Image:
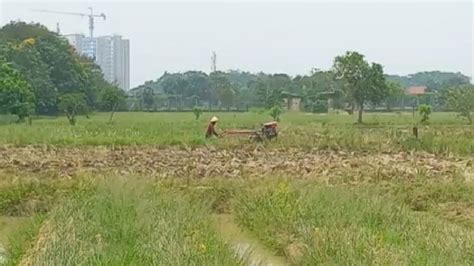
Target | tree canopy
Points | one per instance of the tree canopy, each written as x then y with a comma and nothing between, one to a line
238,88
433,80
461,100
15,93
365,82
50,66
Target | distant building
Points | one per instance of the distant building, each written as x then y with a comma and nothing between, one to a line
292,102
75,40
420,95
111,54
416,90
89,47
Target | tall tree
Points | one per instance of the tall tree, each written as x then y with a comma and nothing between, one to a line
394,92
365,82
72,104
26,59
197,83
148,98
223,89
50,65
111,98
15,93
461,100
434,80
268,95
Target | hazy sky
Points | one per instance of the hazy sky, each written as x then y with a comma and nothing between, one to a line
405,37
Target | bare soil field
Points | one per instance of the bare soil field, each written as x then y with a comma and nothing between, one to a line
326,166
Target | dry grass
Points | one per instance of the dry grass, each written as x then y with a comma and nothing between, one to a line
326,166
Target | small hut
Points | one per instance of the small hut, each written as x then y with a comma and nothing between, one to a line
292,101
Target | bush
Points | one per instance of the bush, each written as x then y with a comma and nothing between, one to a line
275,113
197,111
425,111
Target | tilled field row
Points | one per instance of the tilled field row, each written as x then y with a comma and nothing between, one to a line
209,162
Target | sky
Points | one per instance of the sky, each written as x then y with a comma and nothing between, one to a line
273,37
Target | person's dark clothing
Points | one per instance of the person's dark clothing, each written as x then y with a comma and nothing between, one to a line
211,131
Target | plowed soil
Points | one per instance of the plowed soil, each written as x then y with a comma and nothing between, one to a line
327,166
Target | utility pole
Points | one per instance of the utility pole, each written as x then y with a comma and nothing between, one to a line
213,62
58,31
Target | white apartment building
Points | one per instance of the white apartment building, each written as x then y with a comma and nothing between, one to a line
75,40
111,53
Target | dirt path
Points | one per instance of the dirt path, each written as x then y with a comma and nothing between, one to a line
243,244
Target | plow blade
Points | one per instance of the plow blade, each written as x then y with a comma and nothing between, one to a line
240,132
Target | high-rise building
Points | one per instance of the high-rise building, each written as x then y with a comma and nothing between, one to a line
110,53
89,47
76,41
126,63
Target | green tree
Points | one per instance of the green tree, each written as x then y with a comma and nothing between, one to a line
320,87
268,94
15,93
111,98
282,82
461,100
223,89
365,82
148,98
197,111
93,82
72,104
197,83
434,80
275,112
425,111
394,93
26,59
67,74
50,65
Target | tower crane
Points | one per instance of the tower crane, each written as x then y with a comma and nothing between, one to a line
91,16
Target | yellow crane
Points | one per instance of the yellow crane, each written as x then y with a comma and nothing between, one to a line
91,16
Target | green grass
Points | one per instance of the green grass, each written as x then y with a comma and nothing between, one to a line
129,223
129,220
445,135
21,237
137,221
361,225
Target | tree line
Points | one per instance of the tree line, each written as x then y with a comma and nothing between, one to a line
352,84
42,74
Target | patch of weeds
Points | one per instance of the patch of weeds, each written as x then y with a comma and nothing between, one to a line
424,196
25,199
22,240
131,222
353,225
29,198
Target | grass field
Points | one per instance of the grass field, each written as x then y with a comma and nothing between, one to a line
446,133
149,189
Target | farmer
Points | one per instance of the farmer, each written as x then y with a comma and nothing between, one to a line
211,130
